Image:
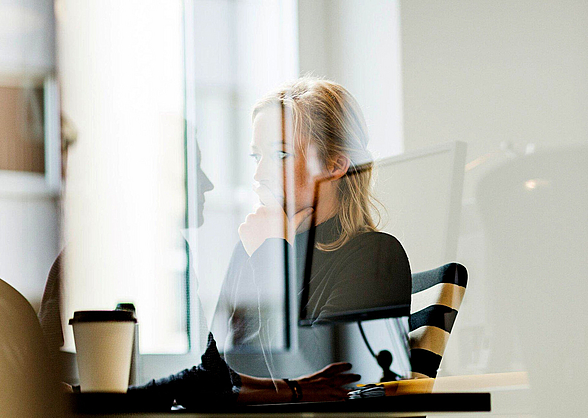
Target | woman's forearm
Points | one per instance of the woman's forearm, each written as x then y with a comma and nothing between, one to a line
325,385
263,390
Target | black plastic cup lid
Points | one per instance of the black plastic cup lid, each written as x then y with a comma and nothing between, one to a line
103,316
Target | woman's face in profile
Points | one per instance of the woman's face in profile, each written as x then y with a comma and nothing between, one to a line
281,166
204,185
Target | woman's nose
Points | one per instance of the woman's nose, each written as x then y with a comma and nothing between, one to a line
263,171
204,183
208,185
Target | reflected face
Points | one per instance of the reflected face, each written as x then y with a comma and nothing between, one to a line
282,166
203,185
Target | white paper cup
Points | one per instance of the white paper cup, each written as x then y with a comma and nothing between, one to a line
104,344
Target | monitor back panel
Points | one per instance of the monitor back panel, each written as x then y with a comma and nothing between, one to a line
420,195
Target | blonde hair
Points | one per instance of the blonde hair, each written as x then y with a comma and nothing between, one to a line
325,114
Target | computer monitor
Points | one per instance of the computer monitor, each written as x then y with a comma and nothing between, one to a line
420,198
421,193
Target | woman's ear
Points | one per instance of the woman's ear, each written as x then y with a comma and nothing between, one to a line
339,167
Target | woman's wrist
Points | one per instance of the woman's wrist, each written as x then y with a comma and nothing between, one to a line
295,389
263,390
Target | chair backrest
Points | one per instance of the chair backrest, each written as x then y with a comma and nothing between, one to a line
436,297
28,383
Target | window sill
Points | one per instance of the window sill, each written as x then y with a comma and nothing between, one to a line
15,184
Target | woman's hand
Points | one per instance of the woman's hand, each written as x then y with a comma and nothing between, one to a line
269,221
327,384
324,385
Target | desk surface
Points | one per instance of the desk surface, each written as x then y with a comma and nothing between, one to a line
112,405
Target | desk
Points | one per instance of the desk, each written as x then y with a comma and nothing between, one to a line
107,405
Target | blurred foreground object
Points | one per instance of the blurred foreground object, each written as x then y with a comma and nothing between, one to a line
28,384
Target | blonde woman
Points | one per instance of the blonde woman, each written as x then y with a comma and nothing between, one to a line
312,168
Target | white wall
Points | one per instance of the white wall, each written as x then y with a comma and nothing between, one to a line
356,43
491,71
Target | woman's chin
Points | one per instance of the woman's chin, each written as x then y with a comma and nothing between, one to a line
199,219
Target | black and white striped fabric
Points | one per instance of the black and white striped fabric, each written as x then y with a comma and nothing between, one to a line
436,297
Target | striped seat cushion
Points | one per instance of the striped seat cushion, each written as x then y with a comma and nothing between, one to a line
436,297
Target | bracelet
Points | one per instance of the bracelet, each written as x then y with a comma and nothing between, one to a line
295,388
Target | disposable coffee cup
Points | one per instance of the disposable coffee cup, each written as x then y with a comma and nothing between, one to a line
104,344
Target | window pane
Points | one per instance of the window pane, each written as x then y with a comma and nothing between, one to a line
22,144
233,67
125,187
